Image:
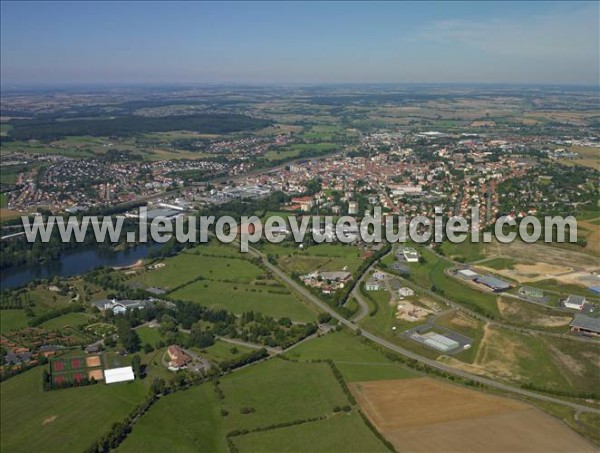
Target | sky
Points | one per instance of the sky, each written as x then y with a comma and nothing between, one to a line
296,42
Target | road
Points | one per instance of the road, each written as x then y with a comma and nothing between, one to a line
406,353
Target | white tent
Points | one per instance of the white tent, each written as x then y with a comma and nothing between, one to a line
118,375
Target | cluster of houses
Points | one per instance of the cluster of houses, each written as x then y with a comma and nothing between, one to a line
327,282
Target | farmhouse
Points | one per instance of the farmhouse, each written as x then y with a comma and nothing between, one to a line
585,325
574,302
495,284
178,359
372,285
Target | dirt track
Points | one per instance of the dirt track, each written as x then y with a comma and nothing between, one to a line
427,415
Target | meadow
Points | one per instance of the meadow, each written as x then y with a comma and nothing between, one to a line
355,360
342,432
186,421
279,391
61,420
12,320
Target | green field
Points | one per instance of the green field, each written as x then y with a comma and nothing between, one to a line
70,319
343,432
150,335
61,420
12,320
226,281
279,391
356,361
221,351
186,267
187,421
239,298
323,257
3,200
499,263
465,251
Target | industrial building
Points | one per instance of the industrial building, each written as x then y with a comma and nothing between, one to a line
495,284
574,302
585,325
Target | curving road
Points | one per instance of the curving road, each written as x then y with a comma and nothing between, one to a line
405,352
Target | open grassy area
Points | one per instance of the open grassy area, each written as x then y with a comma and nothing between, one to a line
222,350
61,420
499,263
355,360
70,319
189,420
465,251
186,267
12,320
150,335
239,298
279,391
343,432
322,257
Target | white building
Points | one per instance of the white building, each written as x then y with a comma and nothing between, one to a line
574,302
406,292
372,285
115,375
353,208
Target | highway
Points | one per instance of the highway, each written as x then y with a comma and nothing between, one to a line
406,353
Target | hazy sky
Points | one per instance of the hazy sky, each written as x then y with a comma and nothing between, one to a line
139,42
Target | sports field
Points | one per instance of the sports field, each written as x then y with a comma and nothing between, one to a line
75,369
60,420
425,415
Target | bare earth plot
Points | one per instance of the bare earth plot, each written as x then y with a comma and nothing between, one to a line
539,262
429,416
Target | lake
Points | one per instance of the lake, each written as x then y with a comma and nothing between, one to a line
74,262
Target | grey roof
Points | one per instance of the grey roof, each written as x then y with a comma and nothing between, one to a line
575,299
492,282
586,322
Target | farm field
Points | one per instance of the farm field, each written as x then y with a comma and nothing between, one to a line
279,391
192,414
427,415
355,360
343,432
322,257
277,302
187,266
34,420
